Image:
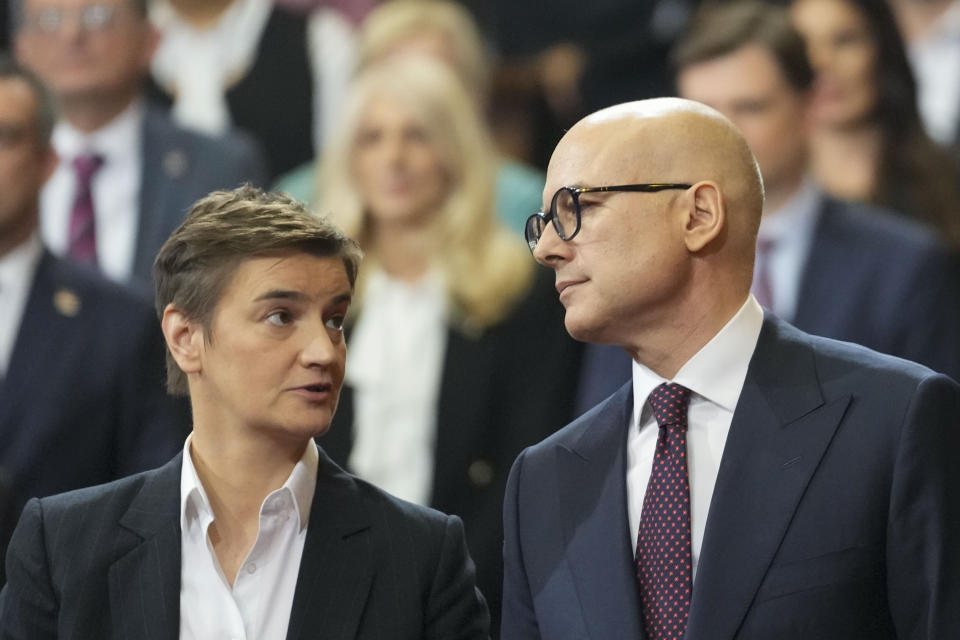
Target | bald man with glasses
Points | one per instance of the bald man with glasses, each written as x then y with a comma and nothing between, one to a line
751,481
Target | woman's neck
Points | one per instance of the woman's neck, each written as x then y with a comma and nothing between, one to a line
404,252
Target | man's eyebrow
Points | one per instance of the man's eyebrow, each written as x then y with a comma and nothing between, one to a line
280,294
343,297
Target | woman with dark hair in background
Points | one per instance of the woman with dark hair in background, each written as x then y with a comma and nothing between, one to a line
869,143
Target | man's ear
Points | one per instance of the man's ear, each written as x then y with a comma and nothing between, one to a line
707,216
184,339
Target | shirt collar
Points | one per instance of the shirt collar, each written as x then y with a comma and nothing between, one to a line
797,216
19,264
113,140
301,485
717,371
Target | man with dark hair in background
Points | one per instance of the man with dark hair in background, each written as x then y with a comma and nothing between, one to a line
81,359
127,174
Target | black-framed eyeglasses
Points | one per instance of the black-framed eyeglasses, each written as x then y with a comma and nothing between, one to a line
564,210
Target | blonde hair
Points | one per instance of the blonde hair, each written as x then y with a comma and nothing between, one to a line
486,267
396,21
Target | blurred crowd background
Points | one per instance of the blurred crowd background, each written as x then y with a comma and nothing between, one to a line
424,128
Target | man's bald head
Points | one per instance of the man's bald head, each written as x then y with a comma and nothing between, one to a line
639,261
670,140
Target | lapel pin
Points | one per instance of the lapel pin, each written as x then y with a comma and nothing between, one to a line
175,163
66,302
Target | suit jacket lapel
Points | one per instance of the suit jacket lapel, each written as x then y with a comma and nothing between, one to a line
145,582
157,185
336,570
828,258
43,330
780,431
594,516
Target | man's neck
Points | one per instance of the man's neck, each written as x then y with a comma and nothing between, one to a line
777,196
671,341
917,17
89,114
201,14
20,231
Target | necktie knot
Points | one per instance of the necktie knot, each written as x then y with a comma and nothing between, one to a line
85,165
670,402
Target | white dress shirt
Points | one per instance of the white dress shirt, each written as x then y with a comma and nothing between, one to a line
394,365
16,278
790,231
936,63
115,190
201,63
257,605
715,375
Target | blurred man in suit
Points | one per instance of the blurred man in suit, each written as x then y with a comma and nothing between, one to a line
833,268
253,532
81,360
753,481
127,174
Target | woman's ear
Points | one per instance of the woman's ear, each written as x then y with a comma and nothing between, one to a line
707,216
184,339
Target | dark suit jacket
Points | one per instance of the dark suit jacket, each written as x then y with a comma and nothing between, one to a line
871,277
83,401
179,168
501,390
835,516
104,563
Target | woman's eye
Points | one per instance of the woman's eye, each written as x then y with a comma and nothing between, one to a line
279,318
335,323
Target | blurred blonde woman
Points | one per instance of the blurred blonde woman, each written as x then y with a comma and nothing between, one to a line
458,357
446,31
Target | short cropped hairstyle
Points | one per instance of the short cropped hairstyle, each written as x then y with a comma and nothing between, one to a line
720,29
198,260
45,117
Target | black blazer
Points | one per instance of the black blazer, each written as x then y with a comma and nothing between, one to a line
501,390
871,277
835,514
104,563
83,401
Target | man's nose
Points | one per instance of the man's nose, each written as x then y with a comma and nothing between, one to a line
550,247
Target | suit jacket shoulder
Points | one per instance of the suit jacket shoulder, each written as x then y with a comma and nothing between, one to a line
83,401
105,562
882,281
179,168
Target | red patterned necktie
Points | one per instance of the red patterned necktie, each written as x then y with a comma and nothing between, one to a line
663,558
82,243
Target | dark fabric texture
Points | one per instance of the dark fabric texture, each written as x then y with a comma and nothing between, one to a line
105,563
834,516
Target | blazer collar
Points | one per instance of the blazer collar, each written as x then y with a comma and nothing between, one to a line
337,567
336,570
780,431
145,582
592,471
